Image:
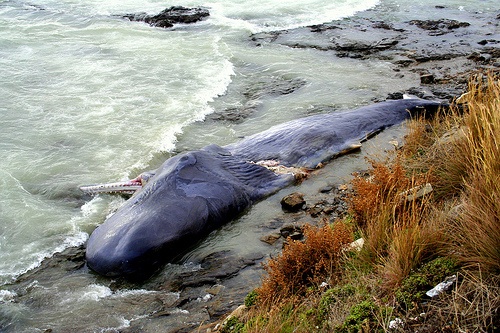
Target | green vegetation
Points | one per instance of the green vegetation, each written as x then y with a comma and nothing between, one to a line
414,286
410,244
361,314
233,325
251,298
331,297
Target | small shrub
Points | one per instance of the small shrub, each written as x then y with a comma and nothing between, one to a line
251,298
361,315
371,193
305,264
233,325
331,297
399,234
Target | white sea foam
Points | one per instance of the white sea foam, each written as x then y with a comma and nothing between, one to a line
132,293
258,15
90,293
7,296
179,311
95,292
124,323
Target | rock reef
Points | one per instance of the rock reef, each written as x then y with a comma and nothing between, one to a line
170,16
444,52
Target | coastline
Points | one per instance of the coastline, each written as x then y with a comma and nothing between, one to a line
412,48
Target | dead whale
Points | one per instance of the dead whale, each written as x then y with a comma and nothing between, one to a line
196,192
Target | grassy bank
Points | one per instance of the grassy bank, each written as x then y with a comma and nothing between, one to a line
429,213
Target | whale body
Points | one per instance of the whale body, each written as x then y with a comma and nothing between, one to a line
196,192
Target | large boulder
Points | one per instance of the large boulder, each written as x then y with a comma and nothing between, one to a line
293,202
170,16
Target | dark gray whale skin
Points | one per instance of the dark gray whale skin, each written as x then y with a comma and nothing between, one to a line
190,195
306,142
196,192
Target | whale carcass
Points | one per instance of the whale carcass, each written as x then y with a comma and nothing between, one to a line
196,192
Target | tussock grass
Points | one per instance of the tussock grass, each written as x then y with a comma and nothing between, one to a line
410,243
399,233
476,231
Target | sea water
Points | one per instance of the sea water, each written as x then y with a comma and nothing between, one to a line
88,97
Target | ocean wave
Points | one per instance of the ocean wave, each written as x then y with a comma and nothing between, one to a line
258,16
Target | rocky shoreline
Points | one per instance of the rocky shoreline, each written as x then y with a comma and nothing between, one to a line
443,52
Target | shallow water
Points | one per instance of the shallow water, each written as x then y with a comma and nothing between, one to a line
86,97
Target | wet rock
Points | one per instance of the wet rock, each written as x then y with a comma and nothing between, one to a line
382,25
274,86
236,114
427,79
330,203
316,210
439,27
352,47
170,16
426,55
271,238
448,51
216,289
293,202
395,95
294,231
253,97
326,189
216,267
69,260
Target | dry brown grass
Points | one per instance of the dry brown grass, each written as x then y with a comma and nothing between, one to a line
399,233
458,152
431,148
472,306
476,230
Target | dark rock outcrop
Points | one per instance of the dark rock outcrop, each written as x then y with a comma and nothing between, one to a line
170,16
253,97
293,202
439,27
215,268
